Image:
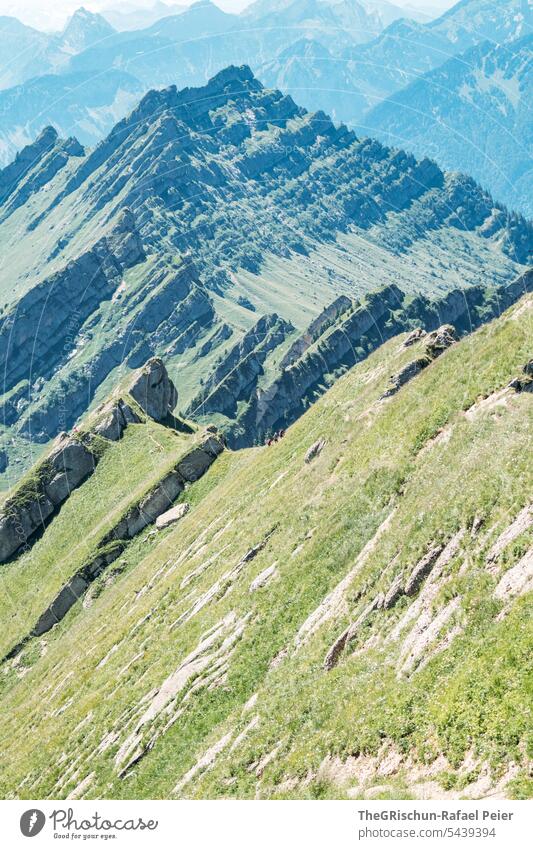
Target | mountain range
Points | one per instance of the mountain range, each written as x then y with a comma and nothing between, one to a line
211,227
473,113
343,57
266,404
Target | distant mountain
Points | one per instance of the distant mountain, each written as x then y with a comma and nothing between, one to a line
221,216
474,114
83,30
81,103
124,17
406,50
20,47
309,48
317,80
27,53
335,22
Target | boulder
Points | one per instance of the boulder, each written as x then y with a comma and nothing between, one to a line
439,340
71,462
154,391
115,417
413,337
173,515
314,450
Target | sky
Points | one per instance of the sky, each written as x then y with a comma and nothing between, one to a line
52,14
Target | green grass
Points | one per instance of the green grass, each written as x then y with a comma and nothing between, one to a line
469,703
127,469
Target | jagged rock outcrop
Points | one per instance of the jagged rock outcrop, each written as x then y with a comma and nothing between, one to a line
435,343
356,332
524,383
317,327
33,167
154,391
165,309
314,450
115,417
235,377
26,511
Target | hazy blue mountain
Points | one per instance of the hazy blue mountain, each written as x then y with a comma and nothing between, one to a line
350,20
474,114
406,50
306,47
123,17
27,53
83,30
316,79
19,47
83,104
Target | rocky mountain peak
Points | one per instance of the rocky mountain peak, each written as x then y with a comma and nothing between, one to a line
83,30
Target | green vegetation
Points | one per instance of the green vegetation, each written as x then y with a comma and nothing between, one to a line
446,708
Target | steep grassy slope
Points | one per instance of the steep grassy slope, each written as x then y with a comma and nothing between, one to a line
218,662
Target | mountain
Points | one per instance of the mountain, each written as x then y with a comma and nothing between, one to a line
471,21
80,103
20,45
202,18
406,49
319,81
312,49
350,21
209,214
83,30
345,613
472,114
124,17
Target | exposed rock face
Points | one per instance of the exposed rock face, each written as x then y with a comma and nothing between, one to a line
350,337
33,167
165,310
435,343
73,591
235,377
27,510
156,502
317,327
171,516
413,337
115,417
406,374
422,570
154,391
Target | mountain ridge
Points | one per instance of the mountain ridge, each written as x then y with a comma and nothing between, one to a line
206,190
